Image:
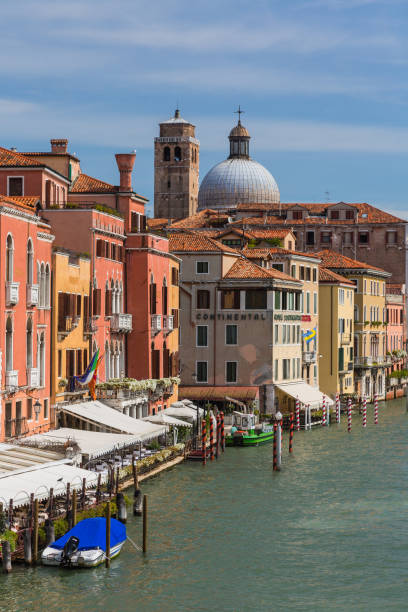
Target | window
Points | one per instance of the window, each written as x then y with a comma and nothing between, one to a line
302,272
47,287
314,303
255,299
341,296
348,238
164,297
166,154
203,298
15,186
201,367
29,344
9,259
293,271
231,372
315,275
41,355
30,262
276,334
277,300
335,214
177,154
174,277
310,238
236,242
46,409
278,266
152,297
286,369
349,214
202,335
29,409
202,267
308,302
276,369
356,314
231,334
391,237
9,345
297,214
59,367
230,299
325,237
308,274
363,237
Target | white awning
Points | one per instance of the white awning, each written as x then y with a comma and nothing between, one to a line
40,480
183,411
92,443
102,416
166,419
305,393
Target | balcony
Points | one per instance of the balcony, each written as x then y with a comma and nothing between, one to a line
12,293
168,323
370,361
11,380
345,338
90,327
309,357
33,377
155,323
32,295
121,323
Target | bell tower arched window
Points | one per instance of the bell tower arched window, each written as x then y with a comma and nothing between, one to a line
177,154
166,154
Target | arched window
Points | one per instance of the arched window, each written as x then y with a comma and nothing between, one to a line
30,262
356,314
47,286
112,288
107,361
121,360
356,354
41,365
9,344
112,361
41,282
9,258
166,154
177,154
117,297
29,343
164,296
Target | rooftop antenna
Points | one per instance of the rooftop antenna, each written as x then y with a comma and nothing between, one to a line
327,194
239,112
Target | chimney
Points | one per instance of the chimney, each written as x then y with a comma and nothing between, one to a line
59,145
125,162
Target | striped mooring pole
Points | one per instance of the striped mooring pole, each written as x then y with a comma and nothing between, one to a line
291,428
364,411
275,461
217,446
204,440
297,410
324,412
375,409
349,414
211,438
337,408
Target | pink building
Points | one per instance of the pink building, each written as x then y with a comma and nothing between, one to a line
396,338
25,324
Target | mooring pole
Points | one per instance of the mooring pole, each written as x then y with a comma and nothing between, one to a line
222,432
35,531
74,507
108,525
297,410
275,446
145,524
204,441
349,415
279,446
28,556
291,433
6,554
211,437
375,409
364,411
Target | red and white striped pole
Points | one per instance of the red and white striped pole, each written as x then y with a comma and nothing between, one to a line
297,410
364,411
324,411
375,409
349,414
337,408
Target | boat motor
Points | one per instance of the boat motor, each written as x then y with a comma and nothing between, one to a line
70,548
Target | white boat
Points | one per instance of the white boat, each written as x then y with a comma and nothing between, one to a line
85,544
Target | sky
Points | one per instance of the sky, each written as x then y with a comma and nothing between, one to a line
323,84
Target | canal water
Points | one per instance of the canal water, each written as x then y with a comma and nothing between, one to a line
329,532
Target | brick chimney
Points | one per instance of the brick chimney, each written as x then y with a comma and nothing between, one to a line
125,162
59,145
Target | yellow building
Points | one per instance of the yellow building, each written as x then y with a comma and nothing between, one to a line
336,307
70,335
370,361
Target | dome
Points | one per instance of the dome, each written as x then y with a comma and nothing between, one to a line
237,180
239,130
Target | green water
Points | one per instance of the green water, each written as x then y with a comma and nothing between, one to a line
329,532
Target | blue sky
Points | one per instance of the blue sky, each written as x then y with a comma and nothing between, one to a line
323,83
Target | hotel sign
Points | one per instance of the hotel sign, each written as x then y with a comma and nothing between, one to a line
262,316
282,317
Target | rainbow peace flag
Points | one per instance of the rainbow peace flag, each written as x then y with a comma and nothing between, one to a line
89,372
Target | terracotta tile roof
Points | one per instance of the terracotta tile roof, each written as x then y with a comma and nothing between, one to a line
257,253
49,154
243,268
89,184
12,158
157,223
328,276
257,221
26,202
256,233
331,259
201,219
195,241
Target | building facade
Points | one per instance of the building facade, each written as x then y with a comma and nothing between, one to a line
396,340
336,327
25,325
176,169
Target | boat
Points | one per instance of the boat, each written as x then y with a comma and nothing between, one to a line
247,432
85,544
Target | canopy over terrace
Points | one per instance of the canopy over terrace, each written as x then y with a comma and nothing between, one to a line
98,416
305,393
166,419
241,396
91,443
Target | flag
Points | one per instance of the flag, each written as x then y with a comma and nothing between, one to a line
87,375
92,382
309,335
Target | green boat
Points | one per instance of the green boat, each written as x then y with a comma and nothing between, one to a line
246,433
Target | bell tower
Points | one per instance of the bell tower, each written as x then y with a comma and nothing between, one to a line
176,169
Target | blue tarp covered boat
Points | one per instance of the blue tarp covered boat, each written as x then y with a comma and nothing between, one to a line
85,544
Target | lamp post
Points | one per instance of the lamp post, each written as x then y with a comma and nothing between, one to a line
37,409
